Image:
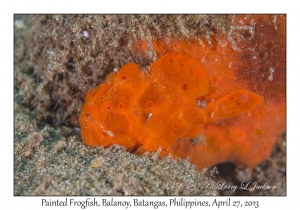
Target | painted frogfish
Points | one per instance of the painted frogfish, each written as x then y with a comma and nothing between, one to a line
160,108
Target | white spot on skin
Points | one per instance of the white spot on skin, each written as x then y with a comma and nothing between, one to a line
146,70
202,104
270,78
149,116
198,139
110,133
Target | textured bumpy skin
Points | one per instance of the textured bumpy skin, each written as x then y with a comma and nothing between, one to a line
145,110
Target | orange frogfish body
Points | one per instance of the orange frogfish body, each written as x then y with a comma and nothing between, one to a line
158,108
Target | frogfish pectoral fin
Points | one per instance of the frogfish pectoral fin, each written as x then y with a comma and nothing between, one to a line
232,105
